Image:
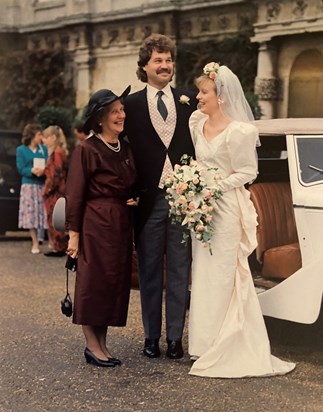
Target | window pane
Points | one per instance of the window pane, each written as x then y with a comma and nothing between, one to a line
310,158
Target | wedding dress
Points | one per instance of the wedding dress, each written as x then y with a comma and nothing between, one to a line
227,333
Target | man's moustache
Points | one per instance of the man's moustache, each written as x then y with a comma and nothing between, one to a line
164,71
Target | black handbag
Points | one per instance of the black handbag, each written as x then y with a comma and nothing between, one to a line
66,303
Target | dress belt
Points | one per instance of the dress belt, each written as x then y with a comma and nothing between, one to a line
107,200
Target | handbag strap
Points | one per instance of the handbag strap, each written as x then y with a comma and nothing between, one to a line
67,293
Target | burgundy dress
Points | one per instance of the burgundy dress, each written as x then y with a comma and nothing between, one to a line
54,187
99,183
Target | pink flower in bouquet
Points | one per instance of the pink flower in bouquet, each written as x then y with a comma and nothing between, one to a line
181,188
192,193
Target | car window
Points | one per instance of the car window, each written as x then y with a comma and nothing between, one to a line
272,159
310,159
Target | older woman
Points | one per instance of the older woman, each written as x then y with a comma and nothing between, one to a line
31,157
55,171
99,196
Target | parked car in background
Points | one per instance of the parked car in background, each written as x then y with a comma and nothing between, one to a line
288,196
10,181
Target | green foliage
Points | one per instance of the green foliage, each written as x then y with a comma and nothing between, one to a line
31,80
60,116
253,102
236,52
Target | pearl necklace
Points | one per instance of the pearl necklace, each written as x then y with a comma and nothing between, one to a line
115,149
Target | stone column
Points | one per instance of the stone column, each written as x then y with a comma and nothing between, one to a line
267,84
82,61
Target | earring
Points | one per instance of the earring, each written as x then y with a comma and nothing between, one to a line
100,124
220,101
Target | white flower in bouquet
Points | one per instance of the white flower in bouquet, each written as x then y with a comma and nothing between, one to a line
192,193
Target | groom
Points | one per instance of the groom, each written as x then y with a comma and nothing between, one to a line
157,128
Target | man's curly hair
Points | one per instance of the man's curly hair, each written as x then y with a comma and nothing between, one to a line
157,42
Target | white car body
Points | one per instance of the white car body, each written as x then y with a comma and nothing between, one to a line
298,298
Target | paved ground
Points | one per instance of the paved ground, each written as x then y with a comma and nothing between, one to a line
42,366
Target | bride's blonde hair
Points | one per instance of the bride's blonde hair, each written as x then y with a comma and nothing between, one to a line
203,79
229,90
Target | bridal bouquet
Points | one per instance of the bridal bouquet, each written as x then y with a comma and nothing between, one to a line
192,193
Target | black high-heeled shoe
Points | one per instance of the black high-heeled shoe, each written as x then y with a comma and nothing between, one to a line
92,359
116,361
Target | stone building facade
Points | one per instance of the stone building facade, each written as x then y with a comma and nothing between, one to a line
103,38
290,57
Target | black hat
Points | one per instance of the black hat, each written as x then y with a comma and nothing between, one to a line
98,101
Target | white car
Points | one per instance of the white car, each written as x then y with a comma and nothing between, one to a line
288,196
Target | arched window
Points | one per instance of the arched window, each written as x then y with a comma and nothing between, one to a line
306,85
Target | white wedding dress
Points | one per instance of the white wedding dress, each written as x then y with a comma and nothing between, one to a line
227,333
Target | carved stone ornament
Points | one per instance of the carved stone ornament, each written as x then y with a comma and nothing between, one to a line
130,34
244,21
35,43
50,42
299,9
267,89
75,40
205,24
64,40
147,31
273,10
186,28
113,34
223,21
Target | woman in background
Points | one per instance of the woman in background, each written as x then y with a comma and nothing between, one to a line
31,157
55,172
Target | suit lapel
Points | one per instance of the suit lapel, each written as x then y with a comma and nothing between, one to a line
141,107
142,97
181,110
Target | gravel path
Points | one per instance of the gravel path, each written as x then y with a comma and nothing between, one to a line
42,366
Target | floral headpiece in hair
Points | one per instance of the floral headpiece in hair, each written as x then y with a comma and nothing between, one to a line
211,70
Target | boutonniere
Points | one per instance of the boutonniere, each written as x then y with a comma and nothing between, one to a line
184,99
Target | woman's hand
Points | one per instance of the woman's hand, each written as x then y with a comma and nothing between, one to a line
73,244
133,202
37,172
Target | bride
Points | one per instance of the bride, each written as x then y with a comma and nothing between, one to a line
227,333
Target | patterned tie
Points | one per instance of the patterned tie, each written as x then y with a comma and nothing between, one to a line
161,105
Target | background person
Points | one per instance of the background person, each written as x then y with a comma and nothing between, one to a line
99,193
78,132
32,213
54,187
157,128
227,333
41,236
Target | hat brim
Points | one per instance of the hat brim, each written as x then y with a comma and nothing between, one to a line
87,123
